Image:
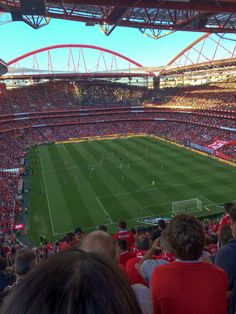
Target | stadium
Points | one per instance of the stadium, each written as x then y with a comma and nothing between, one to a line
112,167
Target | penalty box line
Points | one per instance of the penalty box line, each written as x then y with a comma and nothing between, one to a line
104,210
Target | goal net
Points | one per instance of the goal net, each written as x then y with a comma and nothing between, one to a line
186,206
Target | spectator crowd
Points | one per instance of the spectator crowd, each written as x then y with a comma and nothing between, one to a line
180,266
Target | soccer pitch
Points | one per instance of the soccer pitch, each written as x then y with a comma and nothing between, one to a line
101,182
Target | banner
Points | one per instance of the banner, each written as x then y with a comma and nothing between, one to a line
18,227
219,144
201,148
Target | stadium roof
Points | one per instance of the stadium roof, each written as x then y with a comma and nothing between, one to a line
149,16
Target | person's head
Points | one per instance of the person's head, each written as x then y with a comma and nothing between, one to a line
138,229
78,230
225,234
100,242
71,282
122,225
3,264
102,228
155,235
70,238
186,237
142,243
132,230
162,224
228,206
79,234
122,245
213,239
25,261
233,220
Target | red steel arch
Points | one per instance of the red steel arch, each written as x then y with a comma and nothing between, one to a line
188,48
206,50
73,46
74,60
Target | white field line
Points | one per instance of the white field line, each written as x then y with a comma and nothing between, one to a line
146,188
138,219
103,208
46,191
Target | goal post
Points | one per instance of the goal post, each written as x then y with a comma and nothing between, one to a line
187,206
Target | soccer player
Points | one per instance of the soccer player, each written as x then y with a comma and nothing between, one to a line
153,183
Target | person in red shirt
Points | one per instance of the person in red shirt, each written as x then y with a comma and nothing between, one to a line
79,234
188,285
226,218
124,255
142,245
124,234
69,241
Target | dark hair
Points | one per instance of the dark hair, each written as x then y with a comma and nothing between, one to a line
3,264
102,228
228,206
233,212
132,230
122,245
155,234
186,236
162,224
122,224
142,242
78,230
70,236
24,261
213,239
71,282
225,234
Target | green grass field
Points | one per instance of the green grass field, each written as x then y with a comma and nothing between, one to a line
65,193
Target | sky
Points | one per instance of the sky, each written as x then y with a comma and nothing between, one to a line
18,38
